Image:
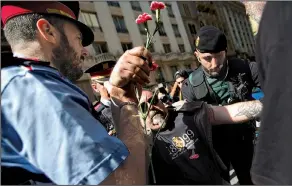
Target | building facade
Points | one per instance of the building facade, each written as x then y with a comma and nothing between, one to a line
240,31
200,13
115,31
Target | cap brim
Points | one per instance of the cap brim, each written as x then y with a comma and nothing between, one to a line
87,34
102,80
96,67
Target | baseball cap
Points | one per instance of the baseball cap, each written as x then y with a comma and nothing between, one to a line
68,10
210,39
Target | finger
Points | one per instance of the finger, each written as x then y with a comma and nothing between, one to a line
141,51
137,61
108,86
137,71
100,88
134,77
138,80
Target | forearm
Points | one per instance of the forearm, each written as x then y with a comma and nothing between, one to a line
133,170
173,89
236,113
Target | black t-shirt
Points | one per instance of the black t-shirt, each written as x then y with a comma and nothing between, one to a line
181,155
273,157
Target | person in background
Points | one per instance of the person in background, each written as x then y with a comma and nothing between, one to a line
100,70
272,164
48,130
179,77
222,81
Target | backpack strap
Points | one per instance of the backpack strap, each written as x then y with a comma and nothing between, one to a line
201,86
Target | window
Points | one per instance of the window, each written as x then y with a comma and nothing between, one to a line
136,5
186,10
90,19
161,30
113,3
173,69
192,29
159,77
175,30
181,48
167,48
142,29
100,48
120,24
127,46
169,10
151,48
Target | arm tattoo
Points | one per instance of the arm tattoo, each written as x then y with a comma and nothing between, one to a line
251,109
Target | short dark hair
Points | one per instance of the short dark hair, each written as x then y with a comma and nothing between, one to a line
23,28
181,73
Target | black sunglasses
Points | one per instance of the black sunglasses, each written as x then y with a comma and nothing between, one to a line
145,105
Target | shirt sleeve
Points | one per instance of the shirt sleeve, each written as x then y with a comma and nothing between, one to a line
59,135
272,161
187,92
255,73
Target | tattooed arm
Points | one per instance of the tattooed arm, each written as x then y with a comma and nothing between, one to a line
235,113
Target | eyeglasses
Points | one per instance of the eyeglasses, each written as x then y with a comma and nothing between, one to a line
145,105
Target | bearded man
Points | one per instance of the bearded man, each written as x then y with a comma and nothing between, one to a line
222,81
48,131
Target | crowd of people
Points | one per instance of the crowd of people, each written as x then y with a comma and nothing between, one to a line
194,129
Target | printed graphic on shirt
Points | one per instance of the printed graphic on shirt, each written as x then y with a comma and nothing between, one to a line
183,143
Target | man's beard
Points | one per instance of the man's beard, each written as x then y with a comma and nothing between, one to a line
220,74
67,60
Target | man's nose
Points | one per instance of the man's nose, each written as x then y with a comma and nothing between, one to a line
214,63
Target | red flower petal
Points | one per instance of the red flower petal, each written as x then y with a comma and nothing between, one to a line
154,5
161,5
142,18
154,66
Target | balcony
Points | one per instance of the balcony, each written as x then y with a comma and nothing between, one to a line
172,56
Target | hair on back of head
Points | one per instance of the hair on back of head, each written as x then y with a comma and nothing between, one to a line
24,29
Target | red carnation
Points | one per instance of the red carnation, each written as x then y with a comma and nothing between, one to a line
142,18
157,5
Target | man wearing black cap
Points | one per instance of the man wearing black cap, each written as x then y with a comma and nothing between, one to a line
222,81
48,131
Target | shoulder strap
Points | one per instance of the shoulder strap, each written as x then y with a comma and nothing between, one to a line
196,78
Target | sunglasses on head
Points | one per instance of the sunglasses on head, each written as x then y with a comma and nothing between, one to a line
145,105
